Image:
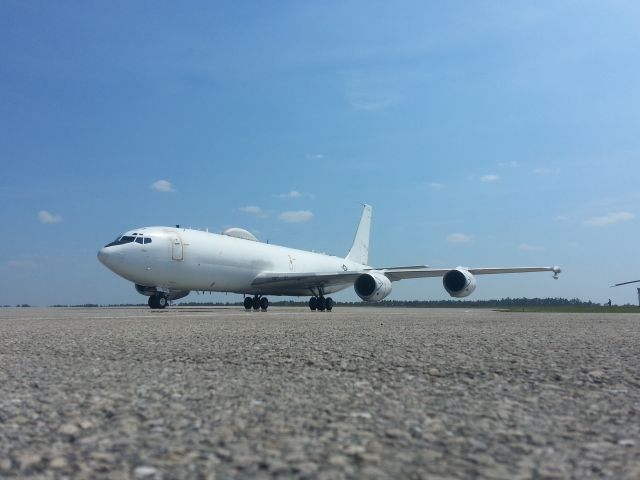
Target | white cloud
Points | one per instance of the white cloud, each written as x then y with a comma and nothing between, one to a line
315,156
511,164
489,178
163,186
458,238
546,171
525,247
436,185
253,210
291,194
294,194
296,216
46,217
610,219
371,103
20,264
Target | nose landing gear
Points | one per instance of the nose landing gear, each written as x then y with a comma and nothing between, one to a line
158,301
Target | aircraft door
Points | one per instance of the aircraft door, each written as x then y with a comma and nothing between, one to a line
177,249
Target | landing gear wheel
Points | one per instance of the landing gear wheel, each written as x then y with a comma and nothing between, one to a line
322,304
264,304
162,301
157,301
248,303
329,304
256,303
313,303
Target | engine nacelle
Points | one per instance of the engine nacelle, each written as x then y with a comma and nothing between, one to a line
459,282
172,295
372,286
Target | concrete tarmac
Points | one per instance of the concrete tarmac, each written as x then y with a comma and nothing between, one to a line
356,393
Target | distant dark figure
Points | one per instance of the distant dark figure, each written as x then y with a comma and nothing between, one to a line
608,304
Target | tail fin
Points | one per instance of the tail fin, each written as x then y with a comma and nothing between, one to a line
360,249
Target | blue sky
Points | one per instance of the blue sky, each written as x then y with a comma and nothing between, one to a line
483,133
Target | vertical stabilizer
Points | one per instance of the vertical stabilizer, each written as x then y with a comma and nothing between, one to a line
360,249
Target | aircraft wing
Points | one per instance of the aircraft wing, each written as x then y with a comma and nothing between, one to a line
400,273
314,280
625,283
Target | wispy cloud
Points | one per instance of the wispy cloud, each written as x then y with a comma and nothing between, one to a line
314,156
610,219
293,194
457,238
163,186
253,210
436,185
369,93
511,164
489,178
370,103
21,264
561,218
296,216
47,217
525,247
546,171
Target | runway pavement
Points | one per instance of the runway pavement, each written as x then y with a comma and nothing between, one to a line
356,393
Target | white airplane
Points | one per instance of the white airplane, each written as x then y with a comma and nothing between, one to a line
167,263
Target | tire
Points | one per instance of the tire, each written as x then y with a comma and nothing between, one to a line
329,304
264,304
256,303
313,303
162,301
248,303
322,304
152,302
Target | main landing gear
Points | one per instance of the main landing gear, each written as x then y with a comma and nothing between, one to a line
321,303
256,302
158,301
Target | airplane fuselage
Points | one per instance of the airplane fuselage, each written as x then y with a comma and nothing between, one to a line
185,259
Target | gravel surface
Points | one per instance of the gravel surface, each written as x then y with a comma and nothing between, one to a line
356,393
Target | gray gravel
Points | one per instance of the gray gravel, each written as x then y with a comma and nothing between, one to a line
359,392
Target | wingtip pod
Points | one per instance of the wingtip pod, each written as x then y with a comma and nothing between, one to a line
556,271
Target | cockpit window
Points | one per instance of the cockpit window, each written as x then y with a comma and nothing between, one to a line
121,241
139,240
147,240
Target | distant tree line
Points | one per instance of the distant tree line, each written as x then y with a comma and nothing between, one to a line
501,303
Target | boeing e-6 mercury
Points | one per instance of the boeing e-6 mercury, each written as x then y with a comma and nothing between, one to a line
167,263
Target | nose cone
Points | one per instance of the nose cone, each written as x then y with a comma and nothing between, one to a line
103,256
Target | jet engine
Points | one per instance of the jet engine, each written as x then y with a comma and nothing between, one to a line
151,291
459,282
372,286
